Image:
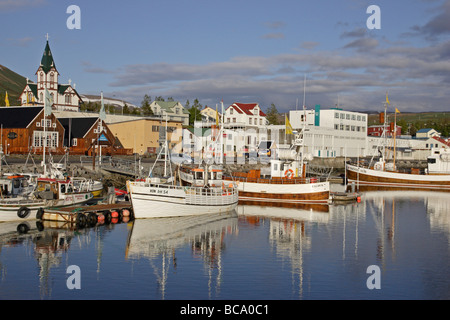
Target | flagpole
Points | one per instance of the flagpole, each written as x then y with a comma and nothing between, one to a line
395,134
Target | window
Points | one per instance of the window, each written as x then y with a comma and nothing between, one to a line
336,115
336,127
231,110
41,97
342,116
52,139
52,77
234,119
48,122
155,128
353,117
74,142
249,120
347,116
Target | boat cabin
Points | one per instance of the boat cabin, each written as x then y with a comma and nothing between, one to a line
439,161
14,185
199,177
50,189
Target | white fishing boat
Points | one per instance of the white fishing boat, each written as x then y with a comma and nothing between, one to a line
151,198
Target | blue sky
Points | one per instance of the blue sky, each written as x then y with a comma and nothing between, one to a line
240,51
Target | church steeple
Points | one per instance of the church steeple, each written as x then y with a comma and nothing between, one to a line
47,59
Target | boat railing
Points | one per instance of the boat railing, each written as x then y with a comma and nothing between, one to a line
211,196
277,180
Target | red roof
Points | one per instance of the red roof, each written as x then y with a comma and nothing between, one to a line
247,108
441,140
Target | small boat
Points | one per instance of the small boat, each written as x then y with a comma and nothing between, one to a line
286,183
49,192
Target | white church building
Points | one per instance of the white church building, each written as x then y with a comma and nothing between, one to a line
65,97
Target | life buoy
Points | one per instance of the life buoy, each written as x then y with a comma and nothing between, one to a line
23,212
289,174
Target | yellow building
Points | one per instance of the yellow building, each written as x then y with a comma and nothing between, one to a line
145,135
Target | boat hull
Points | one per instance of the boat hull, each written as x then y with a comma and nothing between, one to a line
9,208
153,201
301,193
394,180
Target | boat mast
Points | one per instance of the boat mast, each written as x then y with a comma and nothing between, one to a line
303,130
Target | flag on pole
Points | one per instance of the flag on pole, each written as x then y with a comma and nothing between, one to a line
48,101
6,99
387,99
396,110
102,114
288,126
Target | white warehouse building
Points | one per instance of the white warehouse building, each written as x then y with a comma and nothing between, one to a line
332,132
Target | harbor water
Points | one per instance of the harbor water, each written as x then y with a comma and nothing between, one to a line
390,245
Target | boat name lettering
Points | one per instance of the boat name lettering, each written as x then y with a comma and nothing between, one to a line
159,191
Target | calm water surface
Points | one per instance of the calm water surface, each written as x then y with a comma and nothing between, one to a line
253,253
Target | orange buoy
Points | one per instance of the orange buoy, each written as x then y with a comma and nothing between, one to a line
114,220
126,212
100,217
358,199
114,214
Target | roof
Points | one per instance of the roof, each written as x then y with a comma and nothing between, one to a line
18,117
169,105
77,127
246,108
425,130
47,59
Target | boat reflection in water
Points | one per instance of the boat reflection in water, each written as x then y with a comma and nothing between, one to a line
158,238
307,238
253,252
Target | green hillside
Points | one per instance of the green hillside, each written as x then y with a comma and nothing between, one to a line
12,83
412,122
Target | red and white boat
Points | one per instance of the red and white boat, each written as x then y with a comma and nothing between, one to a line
287,182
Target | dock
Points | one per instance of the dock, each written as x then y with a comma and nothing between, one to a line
85,216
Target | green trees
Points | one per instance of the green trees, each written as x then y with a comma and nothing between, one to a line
272,114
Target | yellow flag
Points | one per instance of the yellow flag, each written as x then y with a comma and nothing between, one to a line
6,99
396,110
217,117
288,126
387,100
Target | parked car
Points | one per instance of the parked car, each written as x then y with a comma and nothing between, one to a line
181,158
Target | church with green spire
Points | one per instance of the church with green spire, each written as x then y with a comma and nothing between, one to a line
64,96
